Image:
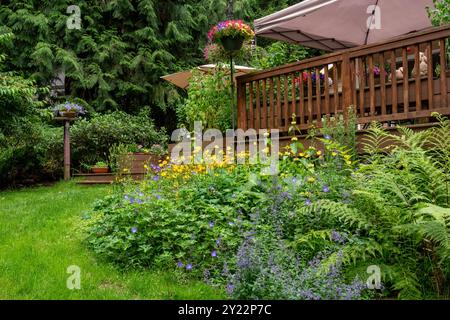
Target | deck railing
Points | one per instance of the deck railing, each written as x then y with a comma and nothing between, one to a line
367,78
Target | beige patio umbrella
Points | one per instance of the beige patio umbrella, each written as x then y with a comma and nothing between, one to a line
339,24
181,79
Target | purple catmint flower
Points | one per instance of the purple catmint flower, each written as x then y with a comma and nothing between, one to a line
285,195
214,253
155,178
226,270
218,241
158,197
230,288
326,189
132,200
211,224
206,276
327,136
139,201
189,266
308,202
126,197
336,236
134,229
180,264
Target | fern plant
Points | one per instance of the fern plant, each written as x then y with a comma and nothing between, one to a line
398,217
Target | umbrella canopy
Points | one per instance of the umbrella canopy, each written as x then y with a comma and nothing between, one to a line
181,79
339,24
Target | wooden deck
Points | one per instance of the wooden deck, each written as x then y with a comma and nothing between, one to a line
363,78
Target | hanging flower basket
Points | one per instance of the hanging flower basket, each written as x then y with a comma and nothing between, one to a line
232,44
230,34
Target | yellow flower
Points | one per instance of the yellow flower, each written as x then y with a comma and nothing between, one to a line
311,179
197,149
145,166
125,170
301,154
294,139
319,153
334,154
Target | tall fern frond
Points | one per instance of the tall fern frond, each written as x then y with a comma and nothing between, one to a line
376,140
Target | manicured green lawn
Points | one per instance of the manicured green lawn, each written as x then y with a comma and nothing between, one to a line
40,238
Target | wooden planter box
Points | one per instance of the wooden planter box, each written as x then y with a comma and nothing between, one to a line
100,169
135,162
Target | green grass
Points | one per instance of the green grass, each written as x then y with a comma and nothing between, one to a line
40,238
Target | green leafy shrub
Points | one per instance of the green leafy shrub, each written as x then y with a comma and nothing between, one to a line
31,153
93,139
208,101
162,223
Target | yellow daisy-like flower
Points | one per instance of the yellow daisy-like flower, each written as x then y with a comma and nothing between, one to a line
145,166
311,179
301,154
294,139
334,154
319,153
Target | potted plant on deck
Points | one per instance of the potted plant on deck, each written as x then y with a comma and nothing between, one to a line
100,167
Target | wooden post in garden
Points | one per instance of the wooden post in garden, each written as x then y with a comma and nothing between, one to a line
67,162
66,150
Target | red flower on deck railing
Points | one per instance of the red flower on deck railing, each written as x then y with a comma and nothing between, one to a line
304,79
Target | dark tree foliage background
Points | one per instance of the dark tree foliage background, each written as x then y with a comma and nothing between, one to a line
123,48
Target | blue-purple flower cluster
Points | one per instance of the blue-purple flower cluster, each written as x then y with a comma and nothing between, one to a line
69,107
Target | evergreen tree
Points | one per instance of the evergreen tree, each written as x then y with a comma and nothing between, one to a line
116,59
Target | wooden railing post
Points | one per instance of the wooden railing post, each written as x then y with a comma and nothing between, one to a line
347,93
241,106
